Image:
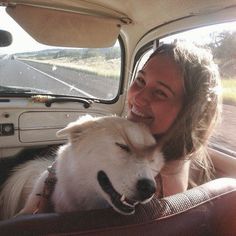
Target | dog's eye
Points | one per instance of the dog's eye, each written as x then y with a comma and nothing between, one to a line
124,147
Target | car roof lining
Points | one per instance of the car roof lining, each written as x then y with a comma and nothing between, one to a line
97,23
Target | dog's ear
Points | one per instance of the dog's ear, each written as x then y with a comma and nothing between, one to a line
74,129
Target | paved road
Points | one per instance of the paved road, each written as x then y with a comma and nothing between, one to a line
56,79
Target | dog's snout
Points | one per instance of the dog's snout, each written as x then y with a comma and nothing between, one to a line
146,188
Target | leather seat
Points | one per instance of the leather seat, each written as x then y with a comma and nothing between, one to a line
209,209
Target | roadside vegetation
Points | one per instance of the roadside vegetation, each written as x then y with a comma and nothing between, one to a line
105,62
223,46
229,91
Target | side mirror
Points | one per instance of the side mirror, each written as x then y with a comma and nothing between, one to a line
5,38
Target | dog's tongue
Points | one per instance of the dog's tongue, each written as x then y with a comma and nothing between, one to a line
119,202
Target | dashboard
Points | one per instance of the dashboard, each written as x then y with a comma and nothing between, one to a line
26,124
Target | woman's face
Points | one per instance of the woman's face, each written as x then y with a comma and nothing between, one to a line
156,95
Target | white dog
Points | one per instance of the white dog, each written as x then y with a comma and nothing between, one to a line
107,161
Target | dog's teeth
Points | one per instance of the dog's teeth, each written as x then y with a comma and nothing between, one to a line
122,199
127,204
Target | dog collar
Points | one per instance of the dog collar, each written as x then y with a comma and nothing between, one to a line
44,204
50,181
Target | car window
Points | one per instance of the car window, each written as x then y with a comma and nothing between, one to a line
30,67
221,39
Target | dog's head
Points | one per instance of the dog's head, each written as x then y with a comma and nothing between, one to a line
114,158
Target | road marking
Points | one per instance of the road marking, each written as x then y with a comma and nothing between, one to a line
58,80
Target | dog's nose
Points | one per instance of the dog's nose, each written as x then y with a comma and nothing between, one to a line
146,188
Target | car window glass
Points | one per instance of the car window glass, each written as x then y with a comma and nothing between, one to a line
30,67
221,39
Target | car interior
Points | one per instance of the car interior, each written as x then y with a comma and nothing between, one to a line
79,57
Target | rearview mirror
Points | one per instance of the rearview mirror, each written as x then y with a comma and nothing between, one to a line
5,38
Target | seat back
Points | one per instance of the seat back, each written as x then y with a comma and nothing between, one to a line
209,209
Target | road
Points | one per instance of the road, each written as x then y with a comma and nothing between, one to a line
57,80
225,134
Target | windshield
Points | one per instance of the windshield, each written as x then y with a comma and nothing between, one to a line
28,67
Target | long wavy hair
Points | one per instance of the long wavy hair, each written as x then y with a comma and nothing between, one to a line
189,134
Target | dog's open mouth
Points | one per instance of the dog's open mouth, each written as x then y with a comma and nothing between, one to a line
119,201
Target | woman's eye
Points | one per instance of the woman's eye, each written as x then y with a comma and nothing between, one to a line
140,81
160,94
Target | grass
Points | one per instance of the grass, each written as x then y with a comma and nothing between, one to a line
95,65
229,90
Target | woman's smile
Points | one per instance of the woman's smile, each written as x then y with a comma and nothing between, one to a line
139,113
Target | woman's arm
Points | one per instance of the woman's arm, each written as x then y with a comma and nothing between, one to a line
175,177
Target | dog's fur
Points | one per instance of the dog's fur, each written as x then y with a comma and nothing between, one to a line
125,151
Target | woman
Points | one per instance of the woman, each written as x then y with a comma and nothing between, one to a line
175,95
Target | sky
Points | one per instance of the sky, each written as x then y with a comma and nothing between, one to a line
23,42
201,35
